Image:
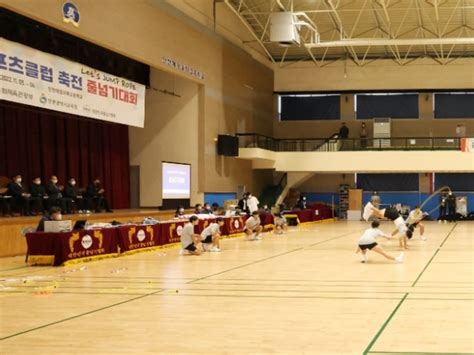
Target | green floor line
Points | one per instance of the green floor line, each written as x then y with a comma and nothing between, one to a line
77,316
415,353
371,344
384,325
437,251
269,258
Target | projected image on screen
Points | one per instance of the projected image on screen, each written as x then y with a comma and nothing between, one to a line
176,181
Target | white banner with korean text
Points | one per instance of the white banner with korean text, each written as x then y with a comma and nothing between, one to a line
35,78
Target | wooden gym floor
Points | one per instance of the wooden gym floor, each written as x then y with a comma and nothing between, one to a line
305,292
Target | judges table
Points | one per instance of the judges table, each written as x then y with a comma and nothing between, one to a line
315,212
82,245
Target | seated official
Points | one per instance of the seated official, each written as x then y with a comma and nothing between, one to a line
56,197
198,209
215,208
301,203
53,215
39,198
96,193
207,209
20,198
72,192
179,212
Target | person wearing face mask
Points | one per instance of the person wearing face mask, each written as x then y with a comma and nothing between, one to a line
96,193
207,208
39,198
179,212
301,203
20,198
243,206
198,209
72,192
56,197
54,215
252,203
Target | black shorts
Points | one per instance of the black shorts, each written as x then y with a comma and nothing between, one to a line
415,225
391,214
208,239
367,246
191,247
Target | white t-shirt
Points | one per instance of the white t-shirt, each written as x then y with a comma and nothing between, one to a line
187,234
415,216
369,236
401,225
211,229
252,223
252,204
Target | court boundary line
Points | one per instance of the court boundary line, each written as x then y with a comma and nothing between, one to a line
268,258
384,325
416,353
156,292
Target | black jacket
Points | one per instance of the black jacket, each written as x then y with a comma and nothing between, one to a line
15,190
93,191
71,191
37,191
53,191
40,227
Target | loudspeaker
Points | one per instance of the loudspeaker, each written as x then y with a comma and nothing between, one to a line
227,145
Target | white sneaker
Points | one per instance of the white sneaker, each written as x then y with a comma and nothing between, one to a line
367,211
183,252
423,238
80,211
399,259
258,238
445,221
215,250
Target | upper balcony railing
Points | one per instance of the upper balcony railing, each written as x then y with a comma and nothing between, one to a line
334,143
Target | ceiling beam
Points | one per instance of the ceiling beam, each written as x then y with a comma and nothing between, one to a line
360,42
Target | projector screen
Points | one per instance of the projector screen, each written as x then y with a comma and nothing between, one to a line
176,181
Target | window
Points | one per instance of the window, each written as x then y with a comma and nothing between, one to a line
388,182
309,107
455,181
393,105
454,105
